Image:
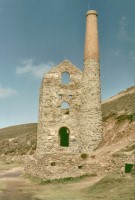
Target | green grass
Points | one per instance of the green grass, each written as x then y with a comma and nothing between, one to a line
61,180
121,118
113,187
130,117
131,147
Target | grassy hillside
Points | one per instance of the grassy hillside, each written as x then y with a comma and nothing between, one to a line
122,104
118,123
14,131
113,187
18,140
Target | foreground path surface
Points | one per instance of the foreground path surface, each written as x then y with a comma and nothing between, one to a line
13,186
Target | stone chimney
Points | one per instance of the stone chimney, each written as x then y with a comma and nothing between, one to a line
91,49
91,118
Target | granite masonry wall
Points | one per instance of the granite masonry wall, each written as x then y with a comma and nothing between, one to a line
81,119
91,116
52,116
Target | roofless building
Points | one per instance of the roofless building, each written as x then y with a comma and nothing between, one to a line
70,122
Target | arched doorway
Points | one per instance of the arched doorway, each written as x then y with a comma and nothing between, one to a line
64,136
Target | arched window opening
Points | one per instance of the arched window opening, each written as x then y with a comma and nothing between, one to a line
65,107
65,78
64,137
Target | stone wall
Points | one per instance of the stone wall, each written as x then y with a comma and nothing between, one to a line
60,165
52,116
121,159
82,120
53,161
91,117
55,166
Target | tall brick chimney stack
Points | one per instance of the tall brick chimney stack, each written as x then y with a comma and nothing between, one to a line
91,49
91,118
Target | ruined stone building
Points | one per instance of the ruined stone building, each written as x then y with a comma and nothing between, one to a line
70,122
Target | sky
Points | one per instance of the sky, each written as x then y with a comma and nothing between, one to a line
38,34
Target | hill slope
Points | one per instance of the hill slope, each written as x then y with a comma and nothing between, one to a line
118,127
18,140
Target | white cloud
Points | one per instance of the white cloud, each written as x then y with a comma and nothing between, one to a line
123,30
37,71
6,92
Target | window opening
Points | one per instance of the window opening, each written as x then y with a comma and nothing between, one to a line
70,96
60,96
64,136
53,163
80,166
65,107
65,78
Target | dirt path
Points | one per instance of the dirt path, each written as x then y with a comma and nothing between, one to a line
14,173
13,186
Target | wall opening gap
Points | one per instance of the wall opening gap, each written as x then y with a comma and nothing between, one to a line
60,96
64,136
53,163
65,78
65,107
70,96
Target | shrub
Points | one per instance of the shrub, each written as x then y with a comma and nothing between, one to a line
130,117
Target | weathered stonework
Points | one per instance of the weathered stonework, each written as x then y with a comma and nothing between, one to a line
91,117
52,117
66,137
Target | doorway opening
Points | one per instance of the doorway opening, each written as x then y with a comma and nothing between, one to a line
64,136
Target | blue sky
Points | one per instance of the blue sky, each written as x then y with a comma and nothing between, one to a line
36,34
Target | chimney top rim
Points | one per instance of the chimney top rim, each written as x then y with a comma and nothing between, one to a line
91,12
